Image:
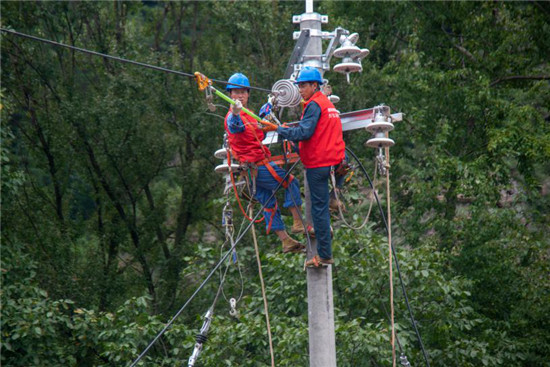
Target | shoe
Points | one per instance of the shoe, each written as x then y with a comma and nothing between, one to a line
317,261
299,228
293,246
335,203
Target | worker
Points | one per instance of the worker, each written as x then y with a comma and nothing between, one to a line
321,149
245,143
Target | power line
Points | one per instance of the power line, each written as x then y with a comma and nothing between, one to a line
116,58
211,272
413,321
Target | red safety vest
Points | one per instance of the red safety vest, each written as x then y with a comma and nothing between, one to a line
247,145
326,146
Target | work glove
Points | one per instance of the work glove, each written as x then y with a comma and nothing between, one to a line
236,108
265,110
268,126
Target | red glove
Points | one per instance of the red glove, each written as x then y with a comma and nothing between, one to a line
268,126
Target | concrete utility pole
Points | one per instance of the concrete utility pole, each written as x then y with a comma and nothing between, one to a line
308,51
322,343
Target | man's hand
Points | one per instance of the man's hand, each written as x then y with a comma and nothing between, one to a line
237,107
268,126
265,110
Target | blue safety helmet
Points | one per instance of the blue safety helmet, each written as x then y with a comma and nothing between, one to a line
238,78
309,74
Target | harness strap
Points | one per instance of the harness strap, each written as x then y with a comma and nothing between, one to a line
272,211
271,170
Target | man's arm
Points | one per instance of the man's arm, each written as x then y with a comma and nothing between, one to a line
235,124
306,127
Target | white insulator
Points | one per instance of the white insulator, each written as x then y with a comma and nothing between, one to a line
347,51
380,118
348,67
362,54
334,98
382,126
380,142
287,93
221,153
224,168
353,37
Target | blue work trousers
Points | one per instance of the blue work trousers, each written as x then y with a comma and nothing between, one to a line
317,180
265,186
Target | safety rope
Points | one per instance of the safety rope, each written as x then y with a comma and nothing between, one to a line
237,193
404,291
390,260
223,82
206,279
149,66
263,292
229,237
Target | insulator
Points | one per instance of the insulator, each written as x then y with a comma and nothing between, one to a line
380,142
200,338
221,153
379,126
224,168
347,51
380,118
348,66
287,93
353,37
364,53
334,98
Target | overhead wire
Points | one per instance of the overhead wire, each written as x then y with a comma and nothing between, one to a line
207,278
190,75
404,291
266,308
100,54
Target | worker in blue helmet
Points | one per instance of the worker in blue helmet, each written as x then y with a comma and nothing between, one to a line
245,138
238,81
322,150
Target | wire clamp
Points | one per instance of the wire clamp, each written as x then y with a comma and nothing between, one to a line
202,81
404,361
227,216
210,100
233,304
382,165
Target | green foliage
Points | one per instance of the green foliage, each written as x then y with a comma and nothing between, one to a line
110,205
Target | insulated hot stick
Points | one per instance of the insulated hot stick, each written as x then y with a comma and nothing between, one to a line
205,83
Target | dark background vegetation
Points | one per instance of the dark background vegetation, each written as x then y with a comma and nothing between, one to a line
111,209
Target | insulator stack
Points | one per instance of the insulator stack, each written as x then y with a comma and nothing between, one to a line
350,54
379,128
224,169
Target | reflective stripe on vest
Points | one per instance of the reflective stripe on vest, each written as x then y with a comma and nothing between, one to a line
326,146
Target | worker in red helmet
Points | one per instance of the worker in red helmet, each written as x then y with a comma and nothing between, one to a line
245,142
322,149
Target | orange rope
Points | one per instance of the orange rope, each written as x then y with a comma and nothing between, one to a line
236,193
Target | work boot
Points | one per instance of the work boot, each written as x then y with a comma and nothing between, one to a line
298,227
293,246
335,203
317,261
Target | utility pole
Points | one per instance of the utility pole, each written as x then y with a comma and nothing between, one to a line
308,51
322,343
